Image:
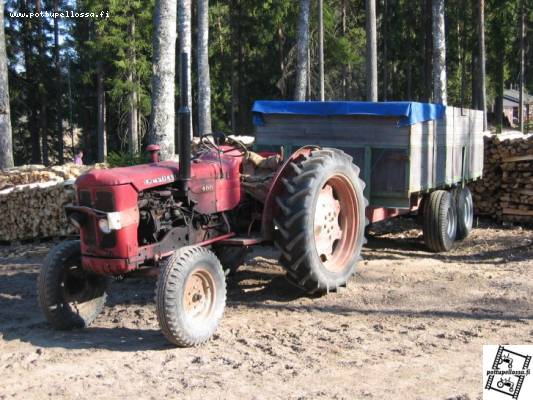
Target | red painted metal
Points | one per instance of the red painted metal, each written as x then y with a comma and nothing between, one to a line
214,187
153,149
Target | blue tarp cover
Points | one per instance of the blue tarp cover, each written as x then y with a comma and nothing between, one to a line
408,112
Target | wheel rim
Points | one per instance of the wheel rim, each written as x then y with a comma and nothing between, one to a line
199,295
468,211
451,223
336,223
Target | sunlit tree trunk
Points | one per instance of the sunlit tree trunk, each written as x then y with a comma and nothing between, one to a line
482,61
204,82
6,137
522,67
302,51
133,134
164,68
185,42
100,95
371,52
439,53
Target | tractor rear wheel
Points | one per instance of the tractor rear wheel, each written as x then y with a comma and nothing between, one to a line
69,297
190,296
440,221
321,220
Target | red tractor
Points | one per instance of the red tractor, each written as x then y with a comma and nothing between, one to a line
188,221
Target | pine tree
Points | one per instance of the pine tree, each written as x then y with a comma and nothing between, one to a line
164,67
6,141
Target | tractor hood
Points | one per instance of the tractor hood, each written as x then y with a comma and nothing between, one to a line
142,177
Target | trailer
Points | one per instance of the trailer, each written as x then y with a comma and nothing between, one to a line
412,156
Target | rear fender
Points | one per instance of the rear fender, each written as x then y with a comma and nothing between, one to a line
270,208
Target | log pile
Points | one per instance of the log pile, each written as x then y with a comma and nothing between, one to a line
506,190
32,199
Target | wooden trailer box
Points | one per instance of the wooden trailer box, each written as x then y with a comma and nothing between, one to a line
402,148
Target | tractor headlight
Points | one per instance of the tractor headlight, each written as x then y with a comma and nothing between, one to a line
103,224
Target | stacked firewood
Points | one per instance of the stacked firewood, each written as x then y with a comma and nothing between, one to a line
32,199
486,192
506,190
517,180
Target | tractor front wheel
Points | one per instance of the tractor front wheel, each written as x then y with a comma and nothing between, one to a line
321,220
69,297
190,296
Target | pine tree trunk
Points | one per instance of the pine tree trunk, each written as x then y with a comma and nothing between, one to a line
439,53
522,12
321,47
164,67
428,51
302,51
385,50
133,135
185,42
43,128
59,118
371,52
344,66
204,82
482,61
500,88
6,136
100,127
30,88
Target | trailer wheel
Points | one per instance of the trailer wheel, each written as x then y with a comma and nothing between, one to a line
440,221
321,220
231,257
69,297
465,212
190,296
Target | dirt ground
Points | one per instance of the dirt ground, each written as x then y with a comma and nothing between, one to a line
410,325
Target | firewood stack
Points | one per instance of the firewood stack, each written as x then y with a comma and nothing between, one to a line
517,180
506,190
32,199
486,192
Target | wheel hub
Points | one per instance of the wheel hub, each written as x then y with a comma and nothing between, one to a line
198,297
327,227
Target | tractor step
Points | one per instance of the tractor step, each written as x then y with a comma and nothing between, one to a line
242,241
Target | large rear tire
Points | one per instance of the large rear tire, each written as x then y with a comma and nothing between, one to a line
440,221
465,212
69,297
321,220
190,296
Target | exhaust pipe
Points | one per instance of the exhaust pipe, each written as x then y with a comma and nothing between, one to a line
184,127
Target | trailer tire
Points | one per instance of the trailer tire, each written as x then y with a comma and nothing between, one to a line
321,220
440,221
465,212
69,297
190,296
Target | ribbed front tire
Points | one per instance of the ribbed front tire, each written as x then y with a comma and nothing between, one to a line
68,296
190,296
439,221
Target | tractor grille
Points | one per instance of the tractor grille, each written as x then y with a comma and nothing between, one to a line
103,201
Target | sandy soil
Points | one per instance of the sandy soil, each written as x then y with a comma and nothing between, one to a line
410,325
